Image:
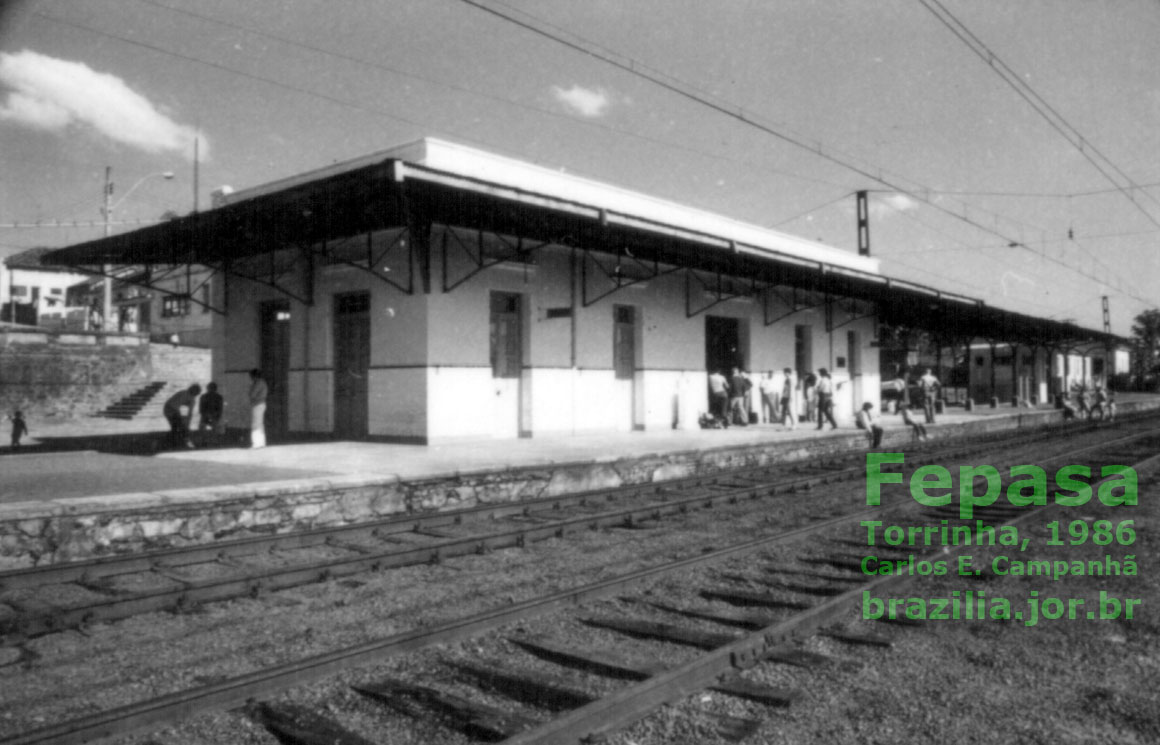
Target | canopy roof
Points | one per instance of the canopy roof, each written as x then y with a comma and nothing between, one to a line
435,182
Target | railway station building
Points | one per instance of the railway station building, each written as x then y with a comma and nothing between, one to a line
434,292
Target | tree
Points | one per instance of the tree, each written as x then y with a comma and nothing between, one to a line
1146,330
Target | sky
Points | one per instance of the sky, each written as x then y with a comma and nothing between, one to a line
1011,150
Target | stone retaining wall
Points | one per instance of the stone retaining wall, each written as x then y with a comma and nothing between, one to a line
37,533
68,374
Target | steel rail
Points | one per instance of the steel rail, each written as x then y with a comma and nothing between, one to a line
603,716
193,592
109,566
235,691
93,569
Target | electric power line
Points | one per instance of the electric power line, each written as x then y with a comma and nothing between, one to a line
1090,152
675,85
633,68
450,86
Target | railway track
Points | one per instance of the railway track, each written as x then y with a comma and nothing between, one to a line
778,618
63,596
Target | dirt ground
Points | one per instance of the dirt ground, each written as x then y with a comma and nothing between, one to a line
1067,680
965,681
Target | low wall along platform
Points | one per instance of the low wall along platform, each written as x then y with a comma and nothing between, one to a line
60,530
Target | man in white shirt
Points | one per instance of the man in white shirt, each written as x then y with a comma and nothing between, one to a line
770,397
825,399
929,385
719,397
869,422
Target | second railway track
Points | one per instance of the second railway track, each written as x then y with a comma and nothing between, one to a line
676,678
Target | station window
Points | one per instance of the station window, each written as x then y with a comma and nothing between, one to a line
19,290
173,306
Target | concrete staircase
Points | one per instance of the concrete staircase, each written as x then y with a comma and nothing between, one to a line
131,405
174,369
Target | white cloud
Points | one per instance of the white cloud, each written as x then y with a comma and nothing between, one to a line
883,207
1019,279
585,102
48,93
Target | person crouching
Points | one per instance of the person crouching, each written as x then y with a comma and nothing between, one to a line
178,411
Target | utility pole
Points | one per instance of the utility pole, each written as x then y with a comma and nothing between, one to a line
863,223
107,269
107,285
196,142
1109,350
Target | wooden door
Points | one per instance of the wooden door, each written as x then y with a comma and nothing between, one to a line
352,341
275,364
506,362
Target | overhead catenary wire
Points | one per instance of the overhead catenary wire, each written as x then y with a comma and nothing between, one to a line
1132,293
386,68
377,111
1058,122
675,85
378,65
815,208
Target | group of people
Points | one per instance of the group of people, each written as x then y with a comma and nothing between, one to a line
928,387
737,401
867,420
777,398
1088,404
179,408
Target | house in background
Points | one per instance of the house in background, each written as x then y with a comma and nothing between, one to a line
36,294
167,305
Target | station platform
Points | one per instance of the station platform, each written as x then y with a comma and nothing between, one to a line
95,487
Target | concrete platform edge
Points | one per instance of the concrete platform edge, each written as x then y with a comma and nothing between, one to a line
37,533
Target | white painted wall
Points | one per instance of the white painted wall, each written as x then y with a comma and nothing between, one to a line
431,376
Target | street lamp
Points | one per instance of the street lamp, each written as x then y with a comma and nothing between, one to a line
107,305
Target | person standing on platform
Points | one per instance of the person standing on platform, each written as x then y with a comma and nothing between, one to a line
719,397
789,402
19,428
929,386
810,394
825,399
867,421
899,385
770,395
258,393
178,411
210,407
738,391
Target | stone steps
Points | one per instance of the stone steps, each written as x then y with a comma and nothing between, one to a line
131,405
